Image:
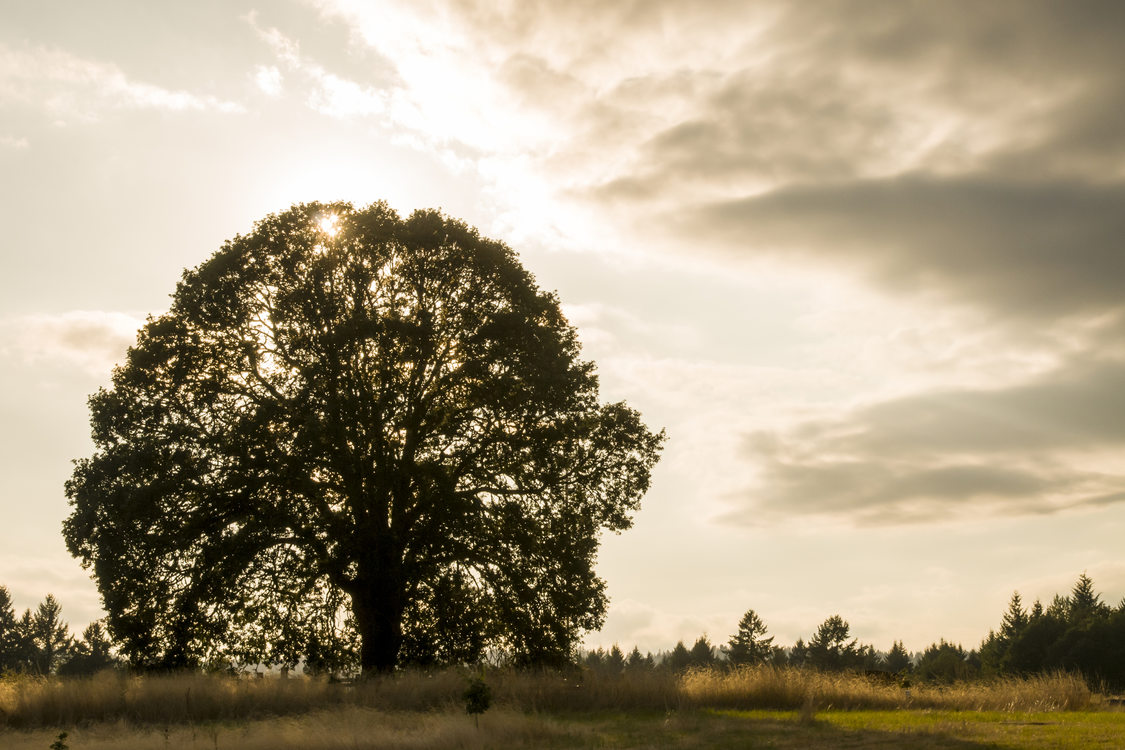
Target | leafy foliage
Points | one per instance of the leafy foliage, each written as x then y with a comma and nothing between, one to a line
91,654
374,444
478,697
946,662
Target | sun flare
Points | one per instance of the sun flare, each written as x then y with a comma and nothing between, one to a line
329,224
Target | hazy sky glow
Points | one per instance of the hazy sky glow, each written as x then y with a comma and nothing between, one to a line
864,261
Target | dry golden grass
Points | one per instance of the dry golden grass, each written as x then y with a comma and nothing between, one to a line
196,699
783,688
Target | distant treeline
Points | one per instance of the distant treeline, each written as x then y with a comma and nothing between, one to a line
1077,633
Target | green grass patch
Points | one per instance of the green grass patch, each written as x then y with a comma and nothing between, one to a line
953,729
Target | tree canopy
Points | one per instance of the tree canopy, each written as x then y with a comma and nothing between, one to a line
354,428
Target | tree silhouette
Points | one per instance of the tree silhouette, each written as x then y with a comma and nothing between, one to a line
946,662
636,663
1084,603
749,645
799,654
49,637
702,653
829,648
91,654
10,636
679,659
348,420
1015,619
898,661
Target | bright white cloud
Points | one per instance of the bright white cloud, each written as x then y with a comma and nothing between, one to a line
324,91
268,79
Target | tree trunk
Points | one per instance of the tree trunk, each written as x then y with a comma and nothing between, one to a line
378,604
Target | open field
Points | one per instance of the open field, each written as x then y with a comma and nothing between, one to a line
751,708
355,728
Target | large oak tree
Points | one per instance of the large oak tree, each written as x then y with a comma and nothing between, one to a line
350,422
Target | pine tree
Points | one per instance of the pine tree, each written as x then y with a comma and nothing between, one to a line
1059,608
1015,619
9,634
799,654
897,660
1084,603
749,645
50,637
638,664
679,659
702,652
614,661
25,643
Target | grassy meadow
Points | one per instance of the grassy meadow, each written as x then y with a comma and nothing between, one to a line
752,707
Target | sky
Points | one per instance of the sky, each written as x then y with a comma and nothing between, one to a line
863,261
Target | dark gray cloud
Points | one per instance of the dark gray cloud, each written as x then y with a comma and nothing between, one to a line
1030,249
1008,450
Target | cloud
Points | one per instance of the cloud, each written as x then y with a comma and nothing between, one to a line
1037,250
325,92
11,141
92,341
1041,447
268,79
69,86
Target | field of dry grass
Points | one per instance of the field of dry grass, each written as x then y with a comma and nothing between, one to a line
425,710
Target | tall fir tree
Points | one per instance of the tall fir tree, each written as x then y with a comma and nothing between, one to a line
679,659
50,637
10,637
1084,603
1015,619
702,652
897,660
750,644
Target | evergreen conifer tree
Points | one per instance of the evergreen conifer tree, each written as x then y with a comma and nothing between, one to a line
702,652
749,645
897,661
638,664
679,659
1015,619
50,637
615,661
799,654
1084,603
